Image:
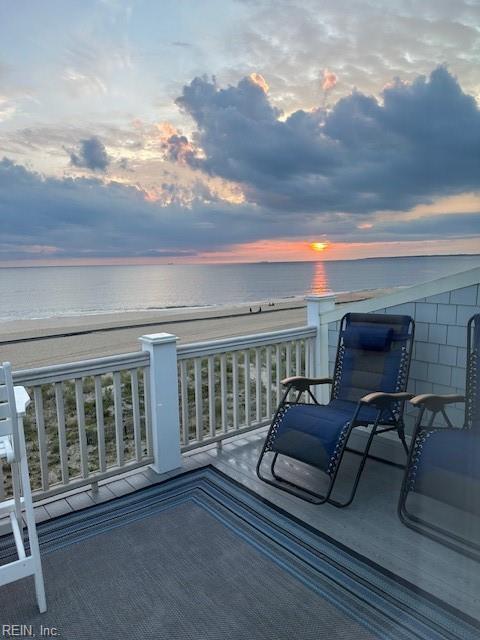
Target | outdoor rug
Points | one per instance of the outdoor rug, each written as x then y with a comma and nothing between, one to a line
200,557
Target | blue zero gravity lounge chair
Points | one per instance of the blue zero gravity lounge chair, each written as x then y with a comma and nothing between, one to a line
368,388
444,462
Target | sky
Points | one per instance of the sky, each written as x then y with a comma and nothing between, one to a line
238,130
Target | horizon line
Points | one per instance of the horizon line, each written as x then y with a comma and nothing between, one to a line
131,262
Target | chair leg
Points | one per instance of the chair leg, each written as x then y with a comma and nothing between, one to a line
290,487
17,493
32,529
438,534
401,435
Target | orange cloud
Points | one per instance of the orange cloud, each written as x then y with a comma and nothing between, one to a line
329,80
259,80
166,130
261,250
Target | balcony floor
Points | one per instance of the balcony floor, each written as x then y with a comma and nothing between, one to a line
370,526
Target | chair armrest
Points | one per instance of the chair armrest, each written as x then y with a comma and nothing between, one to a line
300,383
383,399
22,400
436,403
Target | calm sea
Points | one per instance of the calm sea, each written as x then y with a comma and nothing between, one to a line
42,292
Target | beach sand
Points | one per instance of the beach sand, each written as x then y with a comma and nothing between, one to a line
35,343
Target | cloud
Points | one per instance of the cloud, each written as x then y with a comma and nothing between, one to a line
258,79
7,109
82,217
419,142
88,217
329,80
348,173
90,155
368,42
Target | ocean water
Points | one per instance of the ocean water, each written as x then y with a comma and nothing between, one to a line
42,292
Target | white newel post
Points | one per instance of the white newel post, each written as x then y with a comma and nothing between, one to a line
162,348
317,306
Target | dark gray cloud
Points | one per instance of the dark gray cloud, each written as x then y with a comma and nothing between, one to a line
91,154
85,217
421,141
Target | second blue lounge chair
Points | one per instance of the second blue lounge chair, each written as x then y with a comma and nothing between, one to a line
444,463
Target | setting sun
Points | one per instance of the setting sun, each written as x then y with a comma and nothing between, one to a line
318,246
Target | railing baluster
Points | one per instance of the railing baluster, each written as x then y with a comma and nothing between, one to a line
235,388
117,400
268,362
184,402
277,374
288,359
298,358
82,434
246,366
2,482
258,386
62,439
148,413
136,414
198,399
102,464
42,446
211,397
223,390
307,357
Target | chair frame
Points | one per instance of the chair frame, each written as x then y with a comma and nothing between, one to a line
435,405
12,439
393,403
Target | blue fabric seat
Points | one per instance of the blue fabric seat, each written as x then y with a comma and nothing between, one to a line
310,433
450,450
447,468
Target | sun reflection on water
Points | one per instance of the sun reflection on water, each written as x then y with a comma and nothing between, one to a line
319,282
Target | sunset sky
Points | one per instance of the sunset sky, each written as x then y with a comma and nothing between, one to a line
222,130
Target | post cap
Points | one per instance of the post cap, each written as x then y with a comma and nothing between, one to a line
158,338
320,297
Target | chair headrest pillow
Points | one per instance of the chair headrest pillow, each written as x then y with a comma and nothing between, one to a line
368,338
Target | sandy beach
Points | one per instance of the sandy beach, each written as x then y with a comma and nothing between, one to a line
36,343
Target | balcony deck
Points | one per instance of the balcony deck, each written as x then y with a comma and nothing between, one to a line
369,526
228,390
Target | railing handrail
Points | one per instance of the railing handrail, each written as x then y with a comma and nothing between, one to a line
82,368
240,343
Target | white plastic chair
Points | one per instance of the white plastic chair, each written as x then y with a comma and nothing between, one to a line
13,404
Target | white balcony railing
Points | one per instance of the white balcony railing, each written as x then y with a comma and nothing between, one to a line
232,386
87,421
94,419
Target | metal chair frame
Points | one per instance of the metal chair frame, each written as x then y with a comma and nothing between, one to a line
389,415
